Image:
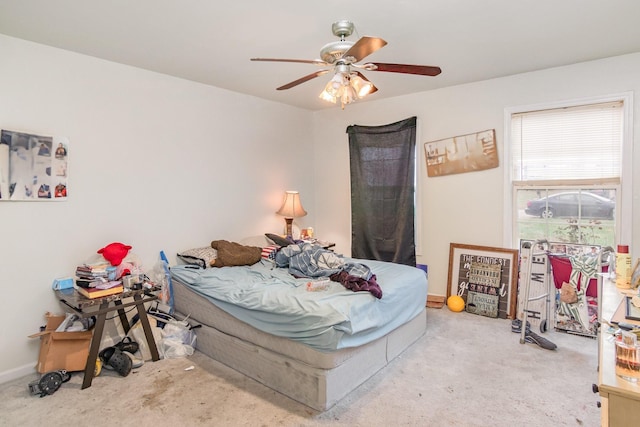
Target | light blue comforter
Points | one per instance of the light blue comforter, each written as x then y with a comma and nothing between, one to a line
272,300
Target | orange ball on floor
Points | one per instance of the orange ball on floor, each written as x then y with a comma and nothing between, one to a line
455,303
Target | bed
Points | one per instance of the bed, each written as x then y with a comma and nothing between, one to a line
312,346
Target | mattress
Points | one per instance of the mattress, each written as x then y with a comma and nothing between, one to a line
200,311
315,378
318,378
271,300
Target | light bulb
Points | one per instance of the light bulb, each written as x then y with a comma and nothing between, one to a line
348,95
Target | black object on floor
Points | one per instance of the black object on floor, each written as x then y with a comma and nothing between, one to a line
113,357
49,382
532,337
128,345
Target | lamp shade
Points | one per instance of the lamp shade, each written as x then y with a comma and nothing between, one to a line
291,205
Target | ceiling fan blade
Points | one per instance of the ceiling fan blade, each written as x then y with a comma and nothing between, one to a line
302,61
423,70
303,79
373,87
364,47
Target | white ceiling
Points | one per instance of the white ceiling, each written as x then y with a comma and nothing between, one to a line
211,41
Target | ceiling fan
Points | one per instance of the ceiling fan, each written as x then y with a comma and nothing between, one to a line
349,84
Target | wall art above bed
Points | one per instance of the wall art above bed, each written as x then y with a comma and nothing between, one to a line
33,167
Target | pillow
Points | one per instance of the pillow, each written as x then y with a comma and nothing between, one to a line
233,253
269,252
279,240
202,257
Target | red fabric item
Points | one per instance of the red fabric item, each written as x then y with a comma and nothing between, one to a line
115,252
561,268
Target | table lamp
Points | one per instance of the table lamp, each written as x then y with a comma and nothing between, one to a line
291,208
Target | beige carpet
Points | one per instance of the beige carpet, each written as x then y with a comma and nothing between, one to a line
467,370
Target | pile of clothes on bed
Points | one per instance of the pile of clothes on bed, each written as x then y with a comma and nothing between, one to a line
302,259
312,260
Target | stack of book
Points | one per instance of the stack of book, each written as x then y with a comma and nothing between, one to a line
89,276
93,281
117,288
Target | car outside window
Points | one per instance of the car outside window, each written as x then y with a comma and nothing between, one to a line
580,215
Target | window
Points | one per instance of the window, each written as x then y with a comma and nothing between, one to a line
566,171
582,142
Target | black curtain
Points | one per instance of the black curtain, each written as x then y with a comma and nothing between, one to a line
382,160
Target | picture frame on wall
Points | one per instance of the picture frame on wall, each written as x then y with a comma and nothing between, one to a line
459,154
462,257
33,167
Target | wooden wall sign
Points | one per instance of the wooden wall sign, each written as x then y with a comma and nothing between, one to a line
465,153
484,289
461,259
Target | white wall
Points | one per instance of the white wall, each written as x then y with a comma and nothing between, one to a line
155,162
466,208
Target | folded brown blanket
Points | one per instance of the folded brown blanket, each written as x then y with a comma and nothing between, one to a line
232,253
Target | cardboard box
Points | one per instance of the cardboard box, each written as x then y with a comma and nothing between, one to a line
62,350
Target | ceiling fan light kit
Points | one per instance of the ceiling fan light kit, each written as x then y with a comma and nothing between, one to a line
347,84
346,87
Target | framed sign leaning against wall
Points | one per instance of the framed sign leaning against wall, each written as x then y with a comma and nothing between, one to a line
462,256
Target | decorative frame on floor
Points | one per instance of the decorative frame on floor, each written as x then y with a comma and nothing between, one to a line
460,258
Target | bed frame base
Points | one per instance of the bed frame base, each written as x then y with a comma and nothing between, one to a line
315,387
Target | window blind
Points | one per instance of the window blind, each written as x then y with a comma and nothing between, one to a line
571,143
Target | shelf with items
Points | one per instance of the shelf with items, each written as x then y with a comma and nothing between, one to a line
620,398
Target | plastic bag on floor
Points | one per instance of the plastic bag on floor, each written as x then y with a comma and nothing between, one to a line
137,334
178,339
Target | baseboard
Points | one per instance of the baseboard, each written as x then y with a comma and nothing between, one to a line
18,372
435,301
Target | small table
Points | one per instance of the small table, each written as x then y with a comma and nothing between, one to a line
99,307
